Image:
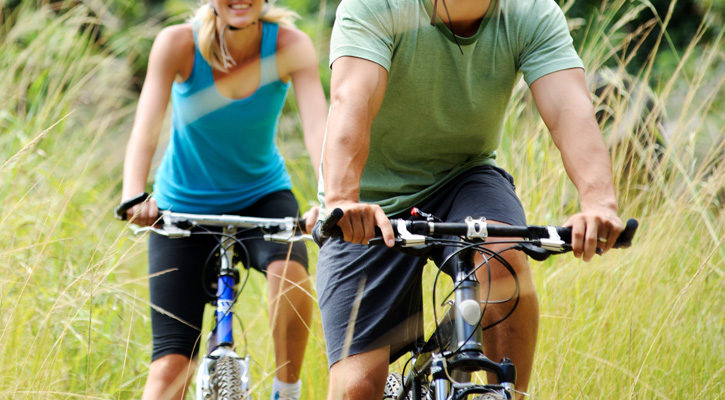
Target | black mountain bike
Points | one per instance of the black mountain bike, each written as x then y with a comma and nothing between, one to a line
440,367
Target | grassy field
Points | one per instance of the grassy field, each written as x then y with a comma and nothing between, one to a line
647,322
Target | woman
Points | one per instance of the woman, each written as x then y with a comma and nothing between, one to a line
227,73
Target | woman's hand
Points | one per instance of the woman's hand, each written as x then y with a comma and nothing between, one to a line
144,214
310,218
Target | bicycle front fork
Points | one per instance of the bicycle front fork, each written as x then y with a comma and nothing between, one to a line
445,386
467,341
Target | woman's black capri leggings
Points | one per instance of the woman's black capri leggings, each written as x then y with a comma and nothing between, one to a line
182,271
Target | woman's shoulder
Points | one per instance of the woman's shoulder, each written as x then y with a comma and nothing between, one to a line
179,36
289,35
174,50
295,50
294,44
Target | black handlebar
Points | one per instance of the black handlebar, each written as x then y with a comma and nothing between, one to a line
530,232
329,228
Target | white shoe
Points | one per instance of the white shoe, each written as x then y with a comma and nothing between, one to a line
286,391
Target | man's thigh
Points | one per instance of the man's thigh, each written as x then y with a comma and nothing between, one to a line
369,298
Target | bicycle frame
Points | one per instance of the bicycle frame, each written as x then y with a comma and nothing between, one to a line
221,343
225,290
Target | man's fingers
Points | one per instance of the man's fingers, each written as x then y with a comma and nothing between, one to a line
354,225
591,231
591,238
386,229
360,220
578,229
350,225
612,229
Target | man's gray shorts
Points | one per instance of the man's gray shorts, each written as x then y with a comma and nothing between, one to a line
388,282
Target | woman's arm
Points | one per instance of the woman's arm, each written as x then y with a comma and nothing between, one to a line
167,60
299,61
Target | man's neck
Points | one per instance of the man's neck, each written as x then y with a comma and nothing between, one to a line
465,15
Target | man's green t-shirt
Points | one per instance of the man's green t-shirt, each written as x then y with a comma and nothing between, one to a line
443,111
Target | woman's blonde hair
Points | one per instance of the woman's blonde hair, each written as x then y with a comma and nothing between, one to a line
204,22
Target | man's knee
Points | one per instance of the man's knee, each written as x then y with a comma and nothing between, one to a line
361,376
502,276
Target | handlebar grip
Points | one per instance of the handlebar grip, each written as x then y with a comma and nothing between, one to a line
625,238
120,211
328,228
301,224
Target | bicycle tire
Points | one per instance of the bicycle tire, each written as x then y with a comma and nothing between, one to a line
394,387
226,380
490,396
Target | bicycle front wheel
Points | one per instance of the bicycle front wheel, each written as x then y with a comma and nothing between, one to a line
394,389
226,379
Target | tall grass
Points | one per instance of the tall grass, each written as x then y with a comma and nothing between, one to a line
646,322
72,316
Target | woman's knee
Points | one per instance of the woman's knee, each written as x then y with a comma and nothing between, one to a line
291,271
170,367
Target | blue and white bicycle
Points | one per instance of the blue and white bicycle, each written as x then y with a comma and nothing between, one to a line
223,373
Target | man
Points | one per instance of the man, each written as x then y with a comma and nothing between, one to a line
419,90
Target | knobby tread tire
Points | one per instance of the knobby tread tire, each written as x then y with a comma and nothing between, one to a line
490,396
226,380
393,386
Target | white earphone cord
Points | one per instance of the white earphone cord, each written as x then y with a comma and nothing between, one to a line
227,58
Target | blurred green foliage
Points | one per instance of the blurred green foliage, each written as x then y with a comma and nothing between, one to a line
128,27
680,19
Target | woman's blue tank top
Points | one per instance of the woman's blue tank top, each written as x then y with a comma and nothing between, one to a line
222,156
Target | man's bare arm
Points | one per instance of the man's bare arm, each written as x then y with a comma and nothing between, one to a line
565,105
357,91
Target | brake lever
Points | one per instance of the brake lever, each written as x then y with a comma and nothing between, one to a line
537,253
286,237
378,241
169,231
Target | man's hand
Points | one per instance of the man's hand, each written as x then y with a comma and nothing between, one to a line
594,227
359,221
